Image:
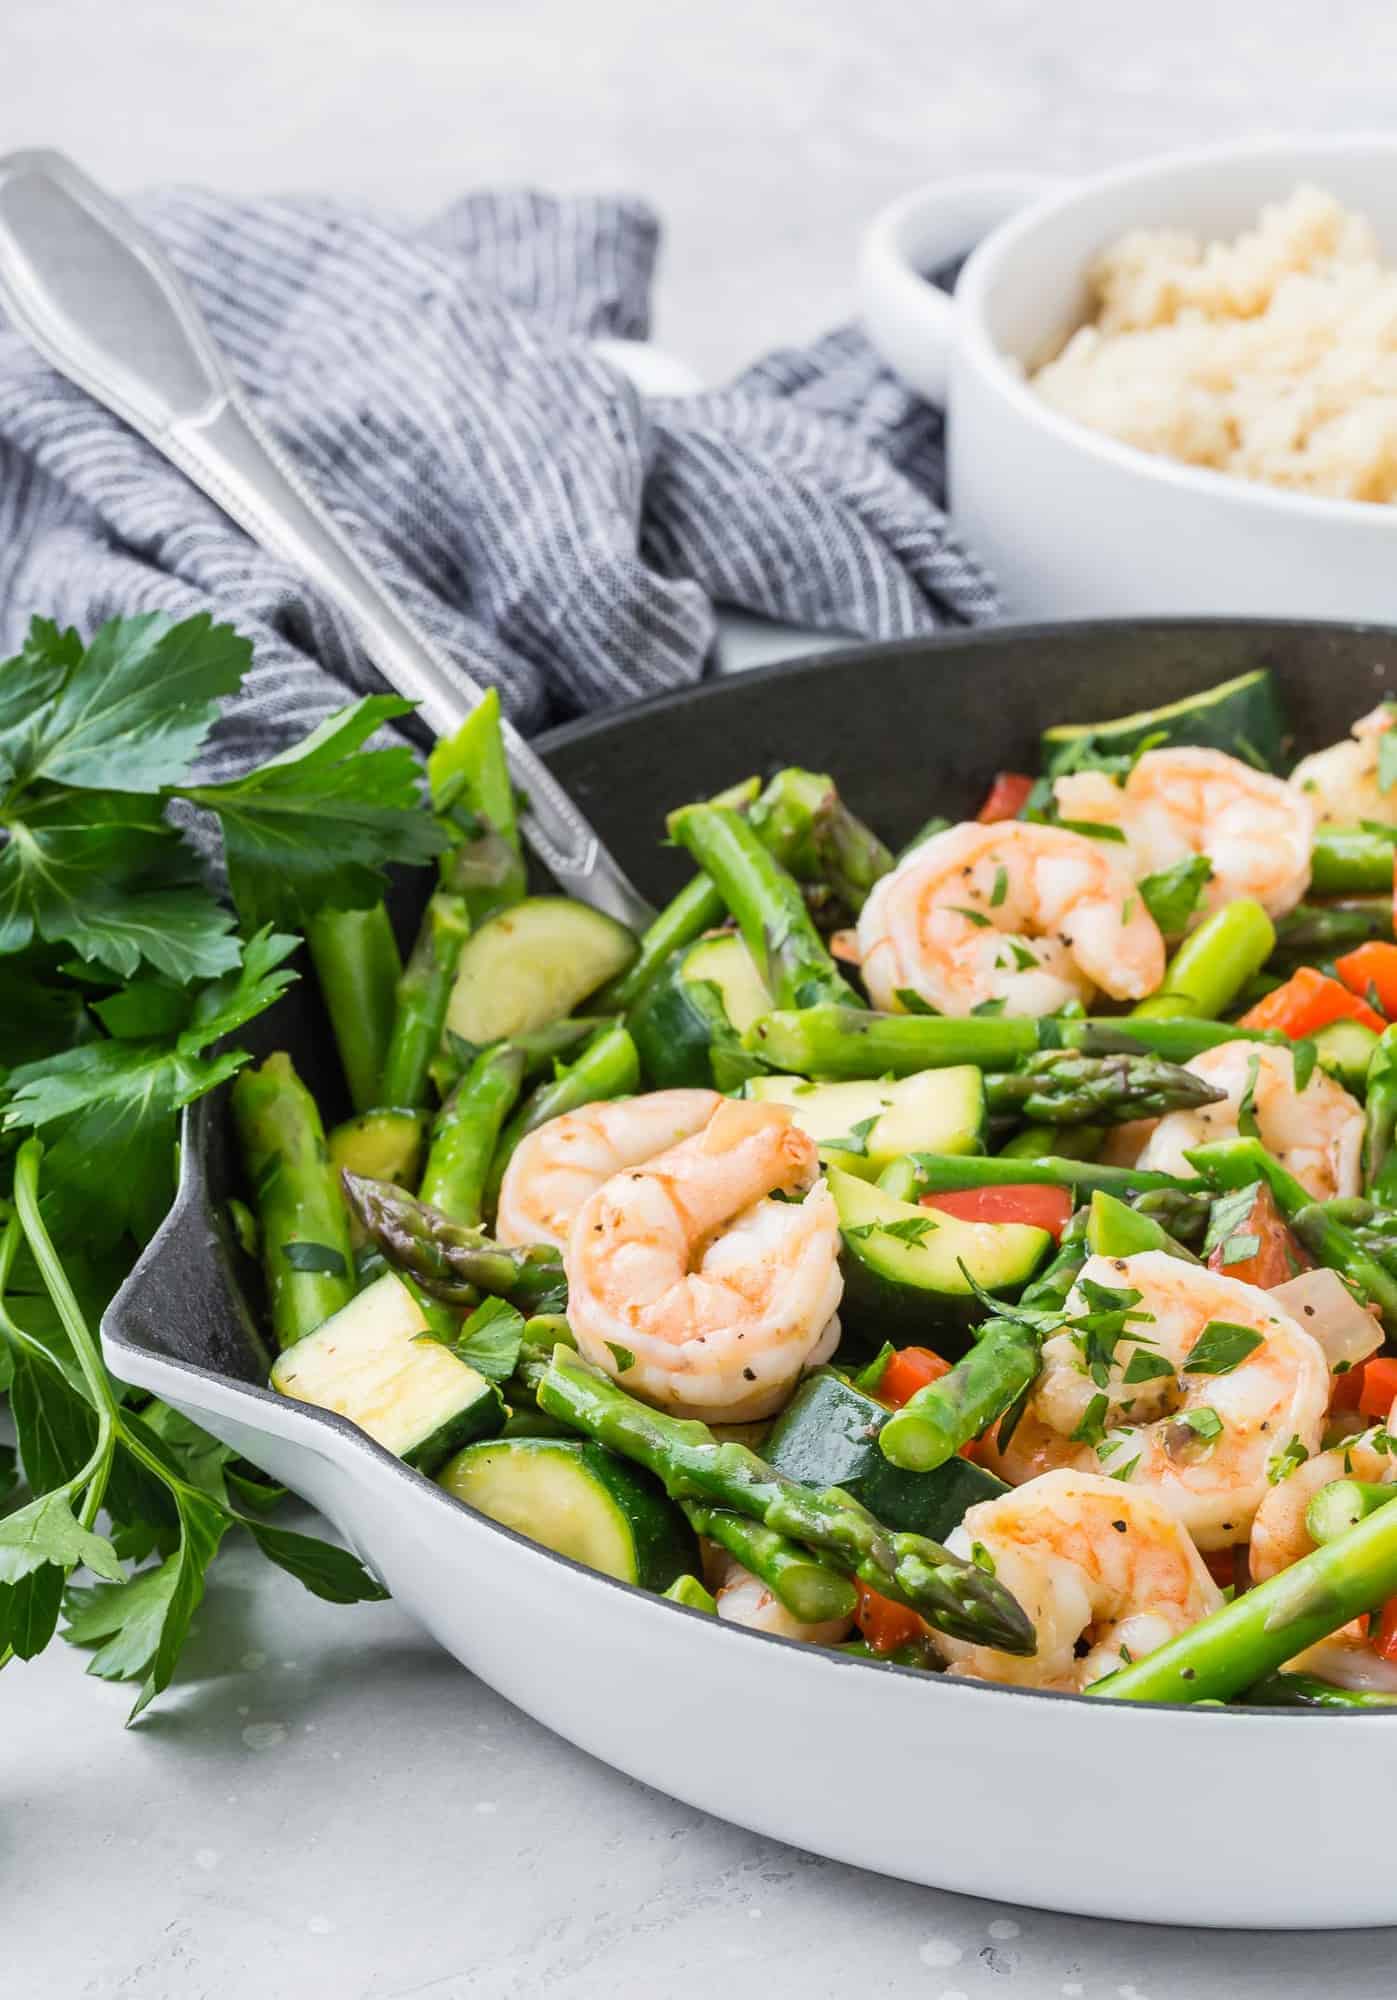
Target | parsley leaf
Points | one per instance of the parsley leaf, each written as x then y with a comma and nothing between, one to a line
1001,886
1092,1427
1146,1367
1173,894
1387,760
910,1229
855,1140
872,1373
912,1002
1304,1056
1283,1463
315,827
490,1340
1094,829
129,711
622,1356
1246,1109
1221,1347
1205,1424
976,917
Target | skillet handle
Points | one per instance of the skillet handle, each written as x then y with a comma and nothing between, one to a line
95,294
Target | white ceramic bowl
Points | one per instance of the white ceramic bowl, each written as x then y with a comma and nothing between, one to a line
1072,523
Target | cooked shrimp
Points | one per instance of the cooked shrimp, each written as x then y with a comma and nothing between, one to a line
1205,1445
1091,1562
1279,1538
1316,1132
692,1284
1030,915
743,1599
1341,783
1255,829
556,1168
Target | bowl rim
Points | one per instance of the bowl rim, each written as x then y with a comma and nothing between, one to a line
347,1444
971,340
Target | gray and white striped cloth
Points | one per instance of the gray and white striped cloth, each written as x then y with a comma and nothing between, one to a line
557,533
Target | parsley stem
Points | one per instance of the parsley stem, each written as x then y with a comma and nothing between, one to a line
65,1304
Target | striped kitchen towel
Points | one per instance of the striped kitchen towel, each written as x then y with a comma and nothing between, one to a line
556,532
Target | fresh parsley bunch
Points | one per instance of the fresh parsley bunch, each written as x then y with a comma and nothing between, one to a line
122,977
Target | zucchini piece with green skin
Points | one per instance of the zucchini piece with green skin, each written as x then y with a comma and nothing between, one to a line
384,1145
532,964
940,1111
1115,1230
372,1363
688,1023
907,1272
827,1435
687,1590
580,1500
1238,716
1345,1049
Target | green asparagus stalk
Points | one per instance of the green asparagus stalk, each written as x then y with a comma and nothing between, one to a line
467,1130
1351,861
1380,1121
1308,1691
483,869
1342,1504
768,906
1213,964
916,1174
422,993
839,1041
1058,1142
470,769
607,1067
1059,1086
304,1226
1177,1040
1116,1230
937,1420
1321,930
808,1588
953,1595
849,855
541,1048
455,1264
687,1590
1254,1635
356,961
1236,1163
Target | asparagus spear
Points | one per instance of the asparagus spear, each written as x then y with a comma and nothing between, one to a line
1179,1039
1351,861
421,996
1213,964
767,903
849,855
687,1590
455,1264
1380,1121
483,869
782,821
1235,1163
1320,930
540,1047
937,1420
951,1594
1308,1691
916,1174
808,1587
471,768
1060,1086
356,961
466,1132
1255,1634
1059,1142
607,1067
304,1227
842,1041
1342,1504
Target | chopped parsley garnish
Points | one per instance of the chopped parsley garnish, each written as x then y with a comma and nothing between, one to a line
1092,1427
1304,1056
622,1356
976,917
1146,1367
984,1007
910,1229
1246,1109
1237,1249
1283,1463
1173,894
912,1002
1094,829
855,1140
1001,886
1205,1423
1220,1347
490,1340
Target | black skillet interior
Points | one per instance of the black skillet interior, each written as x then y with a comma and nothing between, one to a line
908,730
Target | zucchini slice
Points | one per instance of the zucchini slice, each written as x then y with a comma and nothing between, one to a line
1345,1049
367,1362
531,965
883,1120
688,1023
1244,717
827,1435
384,1145
905,1269
577,1498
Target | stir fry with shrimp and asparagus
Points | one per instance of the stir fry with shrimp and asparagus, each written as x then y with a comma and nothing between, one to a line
981,1258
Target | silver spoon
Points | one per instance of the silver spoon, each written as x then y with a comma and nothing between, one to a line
96,295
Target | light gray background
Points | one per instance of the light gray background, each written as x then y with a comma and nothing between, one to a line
328,1805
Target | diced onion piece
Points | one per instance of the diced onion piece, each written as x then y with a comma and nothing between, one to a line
1325,1307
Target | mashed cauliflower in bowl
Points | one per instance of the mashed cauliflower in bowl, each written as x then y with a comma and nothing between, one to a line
1272,357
